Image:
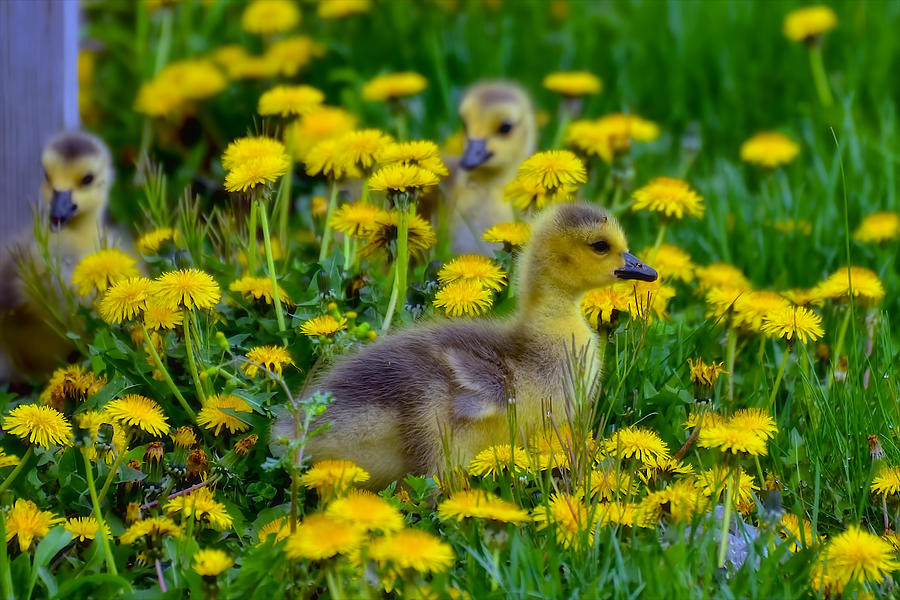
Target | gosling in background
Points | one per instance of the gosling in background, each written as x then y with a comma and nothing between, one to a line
77,177
395,399
501,132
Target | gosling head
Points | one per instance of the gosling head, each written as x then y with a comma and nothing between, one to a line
577,247
77,176
500,126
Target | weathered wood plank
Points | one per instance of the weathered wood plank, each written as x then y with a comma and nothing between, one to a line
38,96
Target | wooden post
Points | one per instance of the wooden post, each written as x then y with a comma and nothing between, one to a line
38,97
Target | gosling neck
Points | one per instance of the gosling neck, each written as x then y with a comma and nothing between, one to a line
82,232
553,311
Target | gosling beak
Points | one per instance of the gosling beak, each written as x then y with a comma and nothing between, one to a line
61,209
635,269
475,154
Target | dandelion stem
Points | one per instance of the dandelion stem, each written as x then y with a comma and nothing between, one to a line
284,194
295,497
839,346
784,359
15,473
730,352
819,76
4,559
166,376
660,235
392,303
326,234
120,458
98,514
251,242
270,263
189,350
402,252
726,518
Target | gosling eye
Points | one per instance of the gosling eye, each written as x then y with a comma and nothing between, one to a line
505,127
87,179
601,246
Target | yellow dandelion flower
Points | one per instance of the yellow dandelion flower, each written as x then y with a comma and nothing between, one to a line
316,126
728,437
527,194
259,288
102,269
797,534
85,528
203,506
721,275
703,417
769,149
354,218
887,481
363,146
681,500
8,460
808,22
92,420
339,9
554,448
865,284
714,481
194,79
384,234
756,420
703,374
473,267
268,17
187,288
509,234
499,458
159,316
322,326
290,100
671,262
419,153
246,149
26,522
157,99
259,171
569,516
398,178
751,307
610,135
878,227
153,528
478,504
601,305
857,556
138,411
329,159
184,437
392,86
646,298
273,358
150,243
669,196
553,169
210,562
413,549
125,299
38,425
620,514
70,383
289,55
793,323
279,528
333,475
467,297
638,442
664,467
213,415
364,510
573,83
610,483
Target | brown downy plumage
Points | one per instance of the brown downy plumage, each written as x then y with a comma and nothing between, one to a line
397,399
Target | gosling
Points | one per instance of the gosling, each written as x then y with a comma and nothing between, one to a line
501,132
396,400
77,177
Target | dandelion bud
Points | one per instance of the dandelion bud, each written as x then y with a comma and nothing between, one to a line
153,457
132,485
331,306
245,445
197,464
351,314
876,452
372,335
319,206
704,378
840,369
222,341
132,512
184,437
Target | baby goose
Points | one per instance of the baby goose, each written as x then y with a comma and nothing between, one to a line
77,177
395,400
501,132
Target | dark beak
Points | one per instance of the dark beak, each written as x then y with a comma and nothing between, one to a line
61,209
476,154
635,269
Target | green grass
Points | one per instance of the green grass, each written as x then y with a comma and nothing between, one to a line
721,68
